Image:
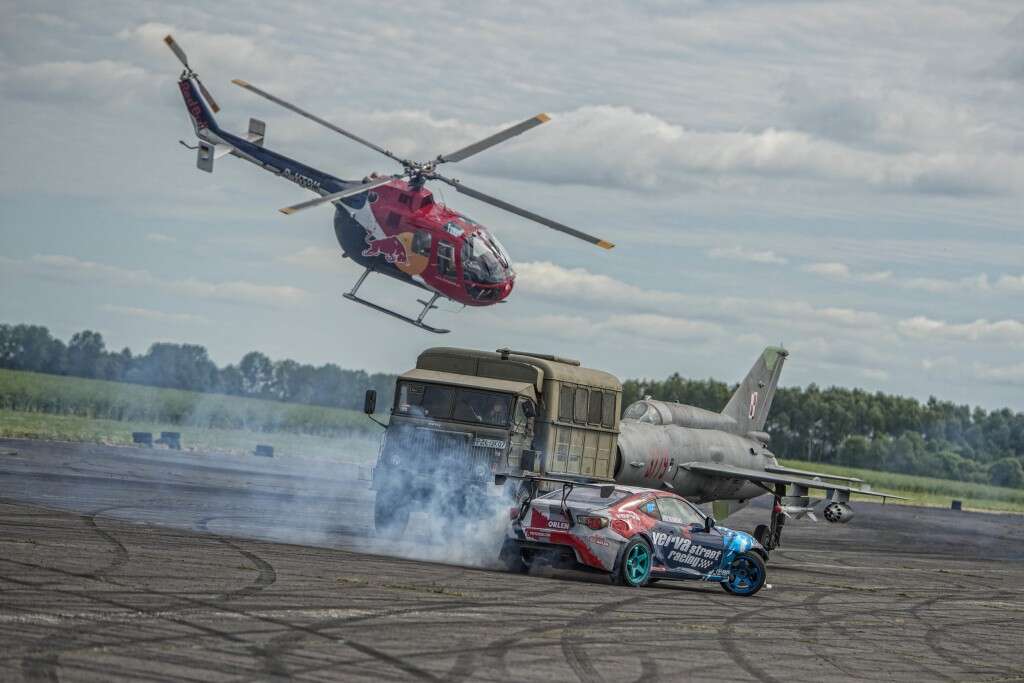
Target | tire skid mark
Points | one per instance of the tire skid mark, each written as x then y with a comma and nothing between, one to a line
45,666
573,649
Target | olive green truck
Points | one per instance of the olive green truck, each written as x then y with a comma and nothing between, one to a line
462,416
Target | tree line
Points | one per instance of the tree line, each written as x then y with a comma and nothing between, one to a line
842,426
188,367
878,431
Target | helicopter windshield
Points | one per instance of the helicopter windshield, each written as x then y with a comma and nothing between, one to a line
483,262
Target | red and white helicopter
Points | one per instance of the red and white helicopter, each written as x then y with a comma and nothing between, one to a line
388,224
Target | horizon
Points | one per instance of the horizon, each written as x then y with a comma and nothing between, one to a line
221,365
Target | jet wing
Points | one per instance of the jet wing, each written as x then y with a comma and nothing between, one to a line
804,473
764,477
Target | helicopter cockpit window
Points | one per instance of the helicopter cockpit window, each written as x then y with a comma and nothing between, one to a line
480,262
642,412
421,242
445,259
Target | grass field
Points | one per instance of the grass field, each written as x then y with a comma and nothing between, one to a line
927,491
28,392
73,409
357,447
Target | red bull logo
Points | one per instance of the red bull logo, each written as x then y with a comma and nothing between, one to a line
195,109
391,248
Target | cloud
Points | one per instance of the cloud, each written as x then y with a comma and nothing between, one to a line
1012,375
981,330
71,269
601,292
98,81
316,258
841,271
741,254
159,316
160,238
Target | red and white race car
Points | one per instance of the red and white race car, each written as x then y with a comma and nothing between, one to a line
634,534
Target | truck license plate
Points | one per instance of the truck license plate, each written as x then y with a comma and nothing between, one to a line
489,443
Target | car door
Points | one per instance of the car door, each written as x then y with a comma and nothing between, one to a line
687,548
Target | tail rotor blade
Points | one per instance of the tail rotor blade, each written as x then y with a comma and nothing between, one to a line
512,208
176,49
209,98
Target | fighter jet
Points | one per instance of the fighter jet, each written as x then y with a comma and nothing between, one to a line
724,457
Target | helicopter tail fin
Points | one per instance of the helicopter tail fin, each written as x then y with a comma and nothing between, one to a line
752,400
198,111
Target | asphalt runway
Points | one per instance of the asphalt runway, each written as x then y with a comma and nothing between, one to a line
133,564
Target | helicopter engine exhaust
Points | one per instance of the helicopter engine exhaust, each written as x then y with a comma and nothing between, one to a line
838,513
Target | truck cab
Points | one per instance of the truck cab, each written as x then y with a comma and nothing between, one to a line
461,416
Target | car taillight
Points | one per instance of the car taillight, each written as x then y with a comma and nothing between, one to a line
513,513
592,521
620,527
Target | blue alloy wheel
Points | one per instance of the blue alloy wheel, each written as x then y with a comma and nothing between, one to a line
746,575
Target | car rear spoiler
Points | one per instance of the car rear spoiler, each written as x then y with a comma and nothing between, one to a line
567,486
606,489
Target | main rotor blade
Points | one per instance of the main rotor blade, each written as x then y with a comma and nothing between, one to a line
350,192
208,96
313,117
555,225
176,49
491,141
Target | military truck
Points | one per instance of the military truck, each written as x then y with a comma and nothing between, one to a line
461,416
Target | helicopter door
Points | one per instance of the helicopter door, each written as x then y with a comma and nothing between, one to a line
446,260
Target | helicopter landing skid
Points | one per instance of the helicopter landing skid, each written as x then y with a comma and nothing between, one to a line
417,321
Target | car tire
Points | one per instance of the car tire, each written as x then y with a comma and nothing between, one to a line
747,575
511,556
390,515
635,562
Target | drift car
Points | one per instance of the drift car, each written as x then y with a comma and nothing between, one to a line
636,535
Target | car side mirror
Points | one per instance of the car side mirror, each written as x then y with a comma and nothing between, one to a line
370,402
709,524
529,409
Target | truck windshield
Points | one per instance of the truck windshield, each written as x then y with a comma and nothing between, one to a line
457,403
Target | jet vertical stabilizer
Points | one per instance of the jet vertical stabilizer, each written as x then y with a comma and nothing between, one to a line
750,404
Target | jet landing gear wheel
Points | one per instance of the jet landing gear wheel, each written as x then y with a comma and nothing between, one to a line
746,575
635,564
390,514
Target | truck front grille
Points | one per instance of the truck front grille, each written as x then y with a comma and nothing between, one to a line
430,452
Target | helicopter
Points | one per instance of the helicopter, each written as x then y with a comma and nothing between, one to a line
388,224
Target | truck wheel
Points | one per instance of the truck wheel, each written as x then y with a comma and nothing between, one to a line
761,534
390,515
746,575
634,564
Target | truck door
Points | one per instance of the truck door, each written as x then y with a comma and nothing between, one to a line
686,547
521,436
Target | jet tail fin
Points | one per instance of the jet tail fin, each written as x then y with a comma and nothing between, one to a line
750,404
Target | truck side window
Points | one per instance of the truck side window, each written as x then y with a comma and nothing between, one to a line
565,392
608,410
580,408
594,414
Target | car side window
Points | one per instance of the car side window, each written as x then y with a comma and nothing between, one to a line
676,512
650,508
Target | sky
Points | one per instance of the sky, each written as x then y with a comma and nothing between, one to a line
841,178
